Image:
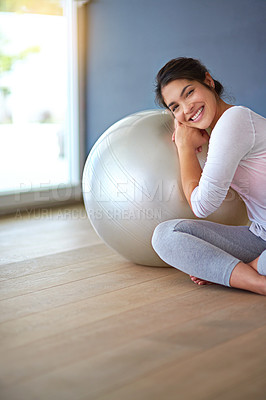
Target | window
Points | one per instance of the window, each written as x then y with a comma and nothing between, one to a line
39,138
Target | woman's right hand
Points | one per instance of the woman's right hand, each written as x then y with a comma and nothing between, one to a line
203,132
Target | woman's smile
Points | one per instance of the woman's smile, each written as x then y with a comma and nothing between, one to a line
198,115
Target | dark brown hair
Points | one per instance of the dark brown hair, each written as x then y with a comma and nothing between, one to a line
182,68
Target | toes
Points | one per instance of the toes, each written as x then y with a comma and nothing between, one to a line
199,281
194,279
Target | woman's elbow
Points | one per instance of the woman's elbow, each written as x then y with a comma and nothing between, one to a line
199,211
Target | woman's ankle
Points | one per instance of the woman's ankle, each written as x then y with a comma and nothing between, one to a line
262,287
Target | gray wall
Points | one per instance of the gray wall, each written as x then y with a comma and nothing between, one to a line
130,40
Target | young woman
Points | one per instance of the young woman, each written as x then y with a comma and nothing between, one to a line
210,252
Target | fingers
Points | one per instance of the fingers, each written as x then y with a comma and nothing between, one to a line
195,136
173,137
205,134
199,149
177,123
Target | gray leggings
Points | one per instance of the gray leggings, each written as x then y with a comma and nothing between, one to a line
207,250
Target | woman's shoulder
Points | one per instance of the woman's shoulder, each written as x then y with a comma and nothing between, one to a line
238,125
233,118
239,118
241,112
231,126
236,110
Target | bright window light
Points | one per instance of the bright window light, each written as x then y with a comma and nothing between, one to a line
38,96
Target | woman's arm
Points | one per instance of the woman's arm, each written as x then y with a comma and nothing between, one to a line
190,170
231,140
189,142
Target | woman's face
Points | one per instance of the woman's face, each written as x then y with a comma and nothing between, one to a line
192,103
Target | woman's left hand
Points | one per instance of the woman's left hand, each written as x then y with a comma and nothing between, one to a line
189,137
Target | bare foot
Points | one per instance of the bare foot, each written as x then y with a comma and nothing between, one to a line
199,281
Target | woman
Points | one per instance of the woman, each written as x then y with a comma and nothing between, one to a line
210,252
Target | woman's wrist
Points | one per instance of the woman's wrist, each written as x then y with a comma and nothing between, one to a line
186,150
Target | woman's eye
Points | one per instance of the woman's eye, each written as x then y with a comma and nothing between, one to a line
175,108
190,91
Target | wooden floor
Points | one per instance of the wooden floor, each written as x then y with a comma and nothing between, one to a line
79,322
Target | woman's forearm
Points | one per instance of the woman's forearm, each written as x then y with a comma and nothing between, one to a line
190,170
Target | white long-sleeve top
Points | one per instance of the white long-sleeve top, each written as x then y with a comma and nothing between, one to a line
237,158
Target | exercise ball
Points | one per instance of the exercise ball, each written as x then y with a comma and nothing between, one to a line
131,183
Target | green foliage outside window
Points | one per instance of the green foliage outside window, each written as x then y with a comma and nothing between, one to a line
50,7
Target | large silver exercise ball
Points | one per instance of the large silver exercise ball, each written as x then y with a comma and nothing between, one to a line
131,183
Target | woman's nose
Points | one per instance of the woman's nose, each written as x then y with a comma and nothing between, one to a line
188,108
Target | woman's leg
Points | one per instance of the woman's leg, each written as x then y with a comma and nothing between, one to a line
209,251
258,264
245,277
237,240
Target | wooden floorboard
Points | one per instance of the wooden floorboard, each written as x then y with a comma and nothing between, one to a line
77,321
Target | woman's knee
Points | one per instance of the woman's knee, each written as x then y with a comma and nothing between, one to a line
162,235
186,226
